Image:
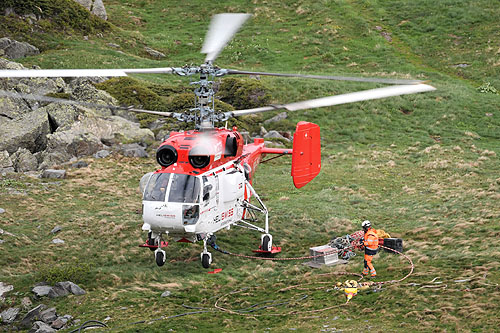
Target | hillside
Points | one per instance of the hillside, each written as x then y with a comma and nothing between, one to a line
422,167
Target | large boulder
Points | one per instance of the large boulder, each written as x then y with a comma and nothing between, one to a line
85,3
28,131
63,115
24,160
86,92
99,10
13,49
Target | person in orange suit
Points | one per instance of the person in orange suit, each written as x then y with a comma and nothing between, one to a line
370,241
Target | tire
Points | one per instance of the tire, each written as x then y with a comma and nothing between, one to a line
265,243
205,261
160,260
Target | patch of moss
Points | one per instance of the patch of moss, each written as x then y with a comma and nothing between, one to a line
52,16
59,95
244,93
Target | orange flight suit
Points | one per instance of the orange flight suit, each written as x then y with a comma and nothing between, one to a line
371,249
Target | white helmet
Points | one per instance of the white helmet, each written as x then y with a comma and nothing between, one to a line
366,224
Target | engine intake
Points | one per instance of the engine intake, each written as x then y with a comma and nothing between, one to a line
198,157
166,155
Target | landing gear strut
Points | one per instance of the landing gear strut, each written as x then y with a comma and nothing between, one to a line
206,257
160,255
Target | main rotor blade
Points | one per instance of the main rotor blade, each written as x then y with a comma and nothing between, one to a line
340,99
49,99
81,72
222,29
328,77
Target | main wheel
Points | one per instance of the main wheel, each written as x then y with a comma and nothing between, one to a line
205,260
160,258
266,243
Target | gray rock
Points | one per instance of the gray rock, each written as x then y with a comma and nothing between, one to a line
278,117
58,291
29,131
60,322
273,144
48,316
14,49
2,210
84,90
62,115
154,53
275,134
5,160
1,242
133,150
32,315
41,291
85,3
116,46
102,153
9,315
54,174
5,288
26,303
80,164
57,241
24,160
166,293
99,10
52,159
41,327
56,229
263,131
71,287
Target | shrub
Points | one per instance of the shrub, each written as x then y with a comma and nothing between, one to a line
76,272
243,93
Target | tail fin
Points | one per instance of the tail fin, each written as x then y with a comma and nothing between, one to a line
306,155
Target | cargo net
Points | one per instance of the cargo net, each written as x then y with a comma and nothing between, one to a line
346,244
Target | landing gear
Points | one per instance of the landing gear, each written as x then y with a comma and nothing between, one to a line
266,243
206,257
151,241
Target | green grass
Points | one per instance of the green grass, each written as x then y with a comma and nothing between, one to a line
422,167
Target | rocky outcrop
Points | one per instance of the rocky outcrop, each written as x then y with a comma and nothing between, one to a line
96,7
13,49
23,160
28,131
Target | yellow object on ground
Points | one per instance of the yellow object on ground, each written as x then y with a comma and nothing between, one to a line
382,234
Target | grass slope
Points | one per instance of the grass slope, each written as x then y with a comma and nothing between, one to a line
422,167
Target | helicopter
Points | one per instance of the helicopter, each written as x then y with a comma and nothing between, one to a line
204,183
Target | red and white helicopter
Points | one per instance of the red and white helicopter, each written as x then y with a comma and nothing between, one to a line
205,180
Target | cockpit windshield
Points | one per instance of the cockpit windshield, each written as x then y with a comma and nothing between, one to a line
157,187
180,188
184,188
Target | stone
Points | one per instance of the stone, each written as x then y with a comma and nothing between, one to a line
287,135
153,53
71,287
85,91
133,150
41,327
5,160
8,316
62,115
28,131
166,293
58,291
116,46
48,316
32,315
102,153
14,49
79,164
99,10
60,322
5,288
53,159
246,137
57,241
54,174
263,131
275,135
85,3
2,210
56,229
24,160
26,303
278,117
41,291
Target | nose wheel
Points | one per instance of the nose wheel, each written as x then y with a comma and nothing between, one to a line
160,257
206,257
266,242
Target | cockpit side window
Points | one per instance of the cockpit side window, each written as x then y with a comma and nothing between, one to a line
157,187
184,188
